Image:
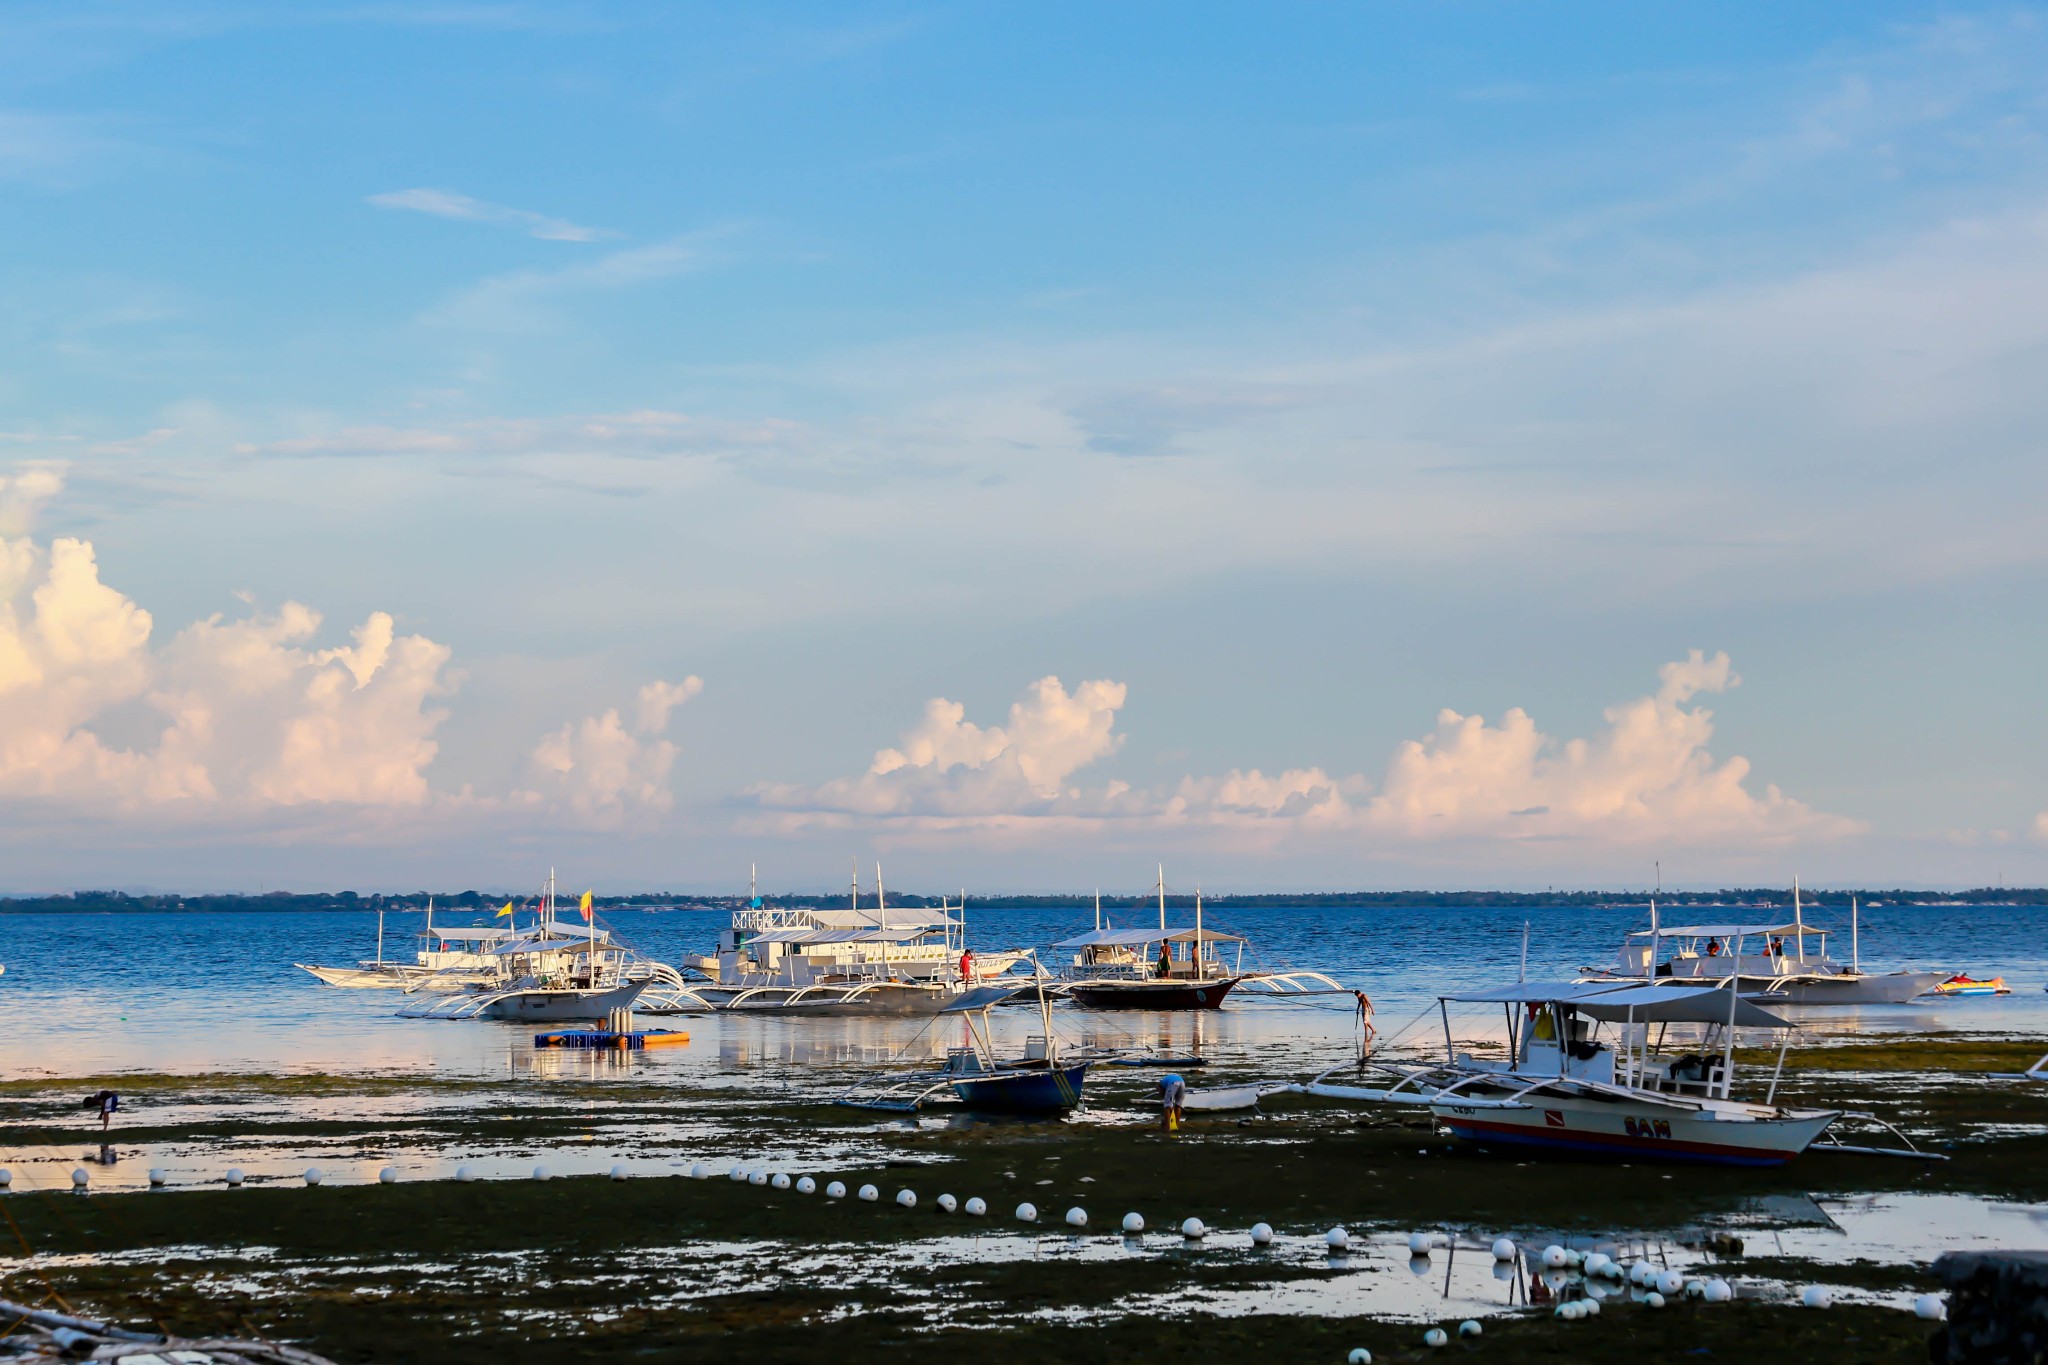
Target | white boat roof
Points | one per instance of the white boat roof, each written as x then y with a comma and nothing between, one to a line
1620,1002
465,934
980,998
1725,930
891,918
1134,938
897,934
578,944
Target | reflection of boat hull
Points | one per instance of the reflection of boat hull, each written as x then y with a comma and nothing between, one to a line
1152,995
563,1006
1038,1091
1601,1127
868,998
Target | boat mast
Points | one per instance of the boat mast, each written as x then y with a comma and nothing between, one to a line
1798,920
1162,898
881,898
1098,909
1650,968
1855,945
380,931
1522,973
1201,963
856,885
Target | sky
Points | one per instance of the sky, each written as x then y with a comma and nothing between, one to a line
1311,446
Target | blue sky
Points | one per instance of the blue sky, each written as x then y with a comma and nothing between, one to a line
1276,378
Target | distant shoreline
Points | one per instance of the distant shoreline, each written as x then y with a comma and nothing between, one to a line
471,902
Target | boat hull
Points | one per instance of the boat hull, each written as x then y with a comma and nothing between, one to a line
1152,995
1046,1091
559,1007
885,998
1572,1126
1888,988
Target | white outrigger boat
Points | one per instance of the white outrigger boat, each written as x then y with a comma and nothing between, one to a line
1642,1096
1784,964
449,954
860,960
555,971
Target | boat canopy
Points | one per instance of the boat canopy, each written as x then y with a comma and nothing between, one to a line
578,944
980,998
465,934
1617,1002
1138,938
900,934
1725,930
1676,1005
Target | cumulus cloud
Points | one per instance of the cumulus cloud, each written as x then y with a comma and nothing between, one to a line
604,772
448,204
252,713
947,765
1648,776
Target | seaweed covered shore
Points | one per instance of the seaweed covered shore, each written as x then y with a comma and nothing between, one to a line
663,1264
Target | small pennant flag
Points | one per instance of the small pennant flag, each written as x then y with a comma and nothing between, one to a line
584,905
506,913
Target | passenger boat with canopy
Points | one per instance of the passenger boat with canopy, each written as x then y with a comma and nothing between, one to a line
860,960
447,952
1040,1082
1167,969
553,971
1638,1091
1786,964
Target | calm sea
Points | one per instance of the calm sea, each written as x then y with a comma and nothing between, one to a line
93,994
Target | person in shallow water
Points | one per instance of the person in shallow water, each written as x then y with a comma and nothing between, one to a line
1173,1093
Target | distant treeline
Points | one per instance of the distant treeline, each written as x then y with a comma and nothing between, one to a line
120,902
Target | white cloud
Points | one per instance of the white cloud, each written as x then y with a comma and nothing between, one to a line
1647,777
605,773
946,765
237,717
448,204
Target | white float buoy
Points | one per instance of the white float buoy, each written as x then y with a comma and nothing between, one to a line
835,1190
1595,1265
699,1171
1470,1328
1573,1259
1553,1255
1077,1217
1930,1307
621,1173
907,1198
157,1177
757,1177
80,1179
233,1177
1503,1250
780,1180
542,1173
1592,1307
1192,1229
6,1177
1563,1312
737,1175
975,1207
806,1185
1027,1213
388,1176
464,1174
868,1194
1436,1336
1337,1239
1653,1299
1262,1234
1359,1356
312,1176
1816,1296
1695,1289
1133,1224
1719,1291
1671,1284
947,1203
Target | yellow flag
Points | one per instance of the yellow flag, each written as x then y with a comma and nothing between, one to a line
584,905
506,912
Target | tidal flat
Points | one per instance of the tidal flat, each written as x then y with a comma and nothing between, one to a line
580,1266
